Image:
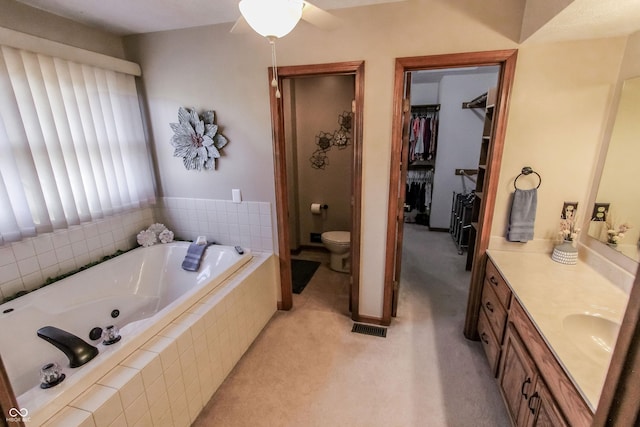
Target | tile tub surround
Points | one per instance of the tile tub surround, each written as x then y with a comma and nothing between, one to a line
549,292
26,264
248,224
168,379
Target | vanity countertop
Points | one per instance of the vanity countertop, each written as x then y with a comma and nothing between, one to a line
556,296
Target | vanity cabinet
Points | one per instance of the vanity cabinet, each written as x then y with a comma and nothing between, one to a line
535,388
526,396
493,318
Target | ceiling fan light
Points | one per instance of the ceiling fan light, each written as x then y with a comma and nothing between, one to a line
273,18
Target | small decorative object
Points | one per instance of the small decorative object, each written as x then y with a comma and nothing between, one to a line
166,236
615,235
157,228
340,138
196,139
156,232
319,160
565,252
569,226
345,120
146,238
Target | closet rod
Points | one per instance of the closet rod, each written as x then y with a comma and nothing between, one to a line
477,102
425,107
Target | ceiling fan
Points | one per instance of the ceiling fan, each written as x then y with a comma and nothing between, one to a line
276,18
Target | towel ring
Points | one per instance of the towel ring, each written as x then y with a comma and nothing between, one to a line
527,171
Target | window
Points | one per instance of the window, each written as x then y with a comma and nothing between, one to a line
72,145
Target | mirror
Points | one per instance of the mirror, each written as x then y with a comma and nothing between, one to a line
617,203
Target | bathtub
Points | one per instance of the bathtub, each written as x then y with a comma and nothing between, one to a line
140,292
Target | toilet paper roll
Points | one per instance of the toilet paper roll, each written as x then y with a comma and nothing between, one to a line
316,208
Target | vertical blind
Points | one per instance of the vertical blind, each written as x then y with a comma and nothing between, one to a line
72,145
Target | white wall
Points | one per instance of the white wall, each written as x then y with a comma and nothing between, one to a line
424,93
561,99
459,139
20,17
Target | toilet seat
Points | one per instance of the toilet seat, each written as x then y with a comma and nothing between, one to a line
341,238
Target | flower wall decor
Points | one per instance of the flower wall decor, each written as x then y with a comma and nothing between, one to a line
196,139
340,138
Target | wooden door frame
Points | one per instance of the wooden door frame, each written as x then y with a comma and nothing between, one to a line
506,59
355,68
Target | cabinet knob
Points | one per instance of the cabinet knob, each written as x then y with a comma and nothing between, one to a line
489,306
493,280
533,408
524,394
483,337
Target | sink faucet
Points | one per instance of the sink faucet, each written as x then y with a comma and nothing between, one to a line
77,350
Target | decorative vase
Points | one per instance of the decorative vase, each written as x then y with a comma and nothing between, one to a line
565,253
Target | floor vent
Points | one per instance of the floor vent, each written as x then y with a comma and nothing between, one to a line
376,331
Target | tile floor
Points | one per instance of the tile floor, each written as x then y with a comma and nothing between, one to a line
306,368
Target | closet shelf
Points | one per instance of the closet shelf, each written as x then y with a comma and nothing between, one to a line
416,109
421,164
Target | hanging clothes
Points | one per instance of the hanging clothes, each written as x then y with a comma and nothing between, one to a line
418,189
423,133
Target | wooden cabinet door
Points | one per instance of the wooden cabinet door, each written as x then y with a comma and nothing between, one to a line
543,411
517,377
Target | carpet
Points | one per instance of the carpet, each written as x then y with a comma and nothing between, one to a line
301,272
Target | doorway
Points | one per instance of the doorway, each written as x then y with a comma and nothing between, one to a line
505,62
289,231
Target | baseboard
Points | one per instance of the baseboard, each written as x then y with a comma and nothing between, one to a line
312,248
367,319
438,229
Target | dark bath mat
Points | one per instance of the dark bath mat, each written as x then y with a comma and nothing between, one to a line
301,272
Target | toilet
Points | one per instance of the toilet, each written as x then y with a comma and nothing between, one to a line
338,243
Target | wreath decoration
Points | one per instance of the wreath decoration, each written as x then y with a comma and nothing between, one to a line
196,139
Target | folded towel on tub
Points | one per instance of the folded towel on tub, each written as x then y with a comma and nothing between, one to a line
194,255
523,215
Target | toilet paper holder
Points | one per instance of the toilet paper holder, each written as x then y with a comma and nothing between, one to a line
317,208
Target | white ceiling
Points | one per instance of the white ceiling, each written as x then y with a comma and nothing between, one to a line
592,19
125,17
582,19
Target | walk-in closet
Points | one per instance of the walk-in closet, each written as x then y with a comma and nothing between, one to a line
448,132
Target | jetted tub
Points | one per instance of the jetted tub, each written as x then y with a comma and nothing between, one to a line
139,292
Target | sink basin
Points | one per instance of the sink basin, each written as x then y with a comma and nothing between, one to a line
592,334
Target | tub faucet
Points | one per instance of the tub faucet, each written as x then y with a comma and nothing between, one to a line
75,348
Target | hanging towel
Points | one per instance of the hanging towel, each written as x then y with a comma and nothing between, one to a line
194,256
523,215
